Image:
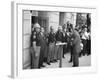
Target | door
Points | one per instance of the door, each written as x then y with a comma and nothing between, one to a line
43,22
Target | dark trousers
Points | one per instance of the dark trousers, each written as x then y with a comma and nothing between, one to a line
68,47
88,47
75,59
71,54
64,50
84,46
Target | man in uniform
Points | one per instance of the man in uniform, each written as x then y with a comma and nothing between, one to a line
43,47
35,38
58,49
51,42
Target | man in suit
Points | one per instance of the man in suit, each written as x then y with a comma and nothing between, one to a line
64,39
76,48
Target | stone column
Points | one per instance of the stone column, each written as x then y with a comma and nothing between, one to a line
53,18
69,17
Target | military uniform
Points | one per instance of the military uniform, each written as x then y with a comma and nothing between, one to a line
51,42
42,50
58,49
35,52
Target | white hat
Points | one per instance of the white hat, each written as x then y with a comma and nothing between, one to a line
36,25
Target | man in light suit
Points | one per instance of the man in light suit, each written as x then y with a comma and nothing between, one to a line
76,47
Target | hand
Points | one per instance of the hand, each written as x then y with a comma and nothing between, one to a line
70,42
36,55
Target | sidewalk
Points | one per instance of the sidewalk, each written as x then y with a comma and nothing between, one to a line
83,61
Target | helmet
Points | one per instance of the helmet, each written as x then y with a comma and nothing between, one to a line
36,25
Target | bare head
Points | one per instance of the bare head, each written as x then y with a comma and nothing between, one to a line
59,28
68,22
42,29
51,28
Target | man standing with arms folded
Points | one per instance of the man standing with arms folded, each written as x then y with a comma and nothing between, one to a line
51,42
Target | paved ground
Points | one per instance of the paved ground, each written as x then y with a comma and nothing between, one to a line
83,61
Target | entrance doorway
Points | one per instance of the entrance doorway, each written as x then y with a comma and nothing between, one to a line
43,22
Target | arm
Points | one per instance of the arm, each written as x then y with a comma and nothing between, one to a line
74,41
75,37
34,41
34,46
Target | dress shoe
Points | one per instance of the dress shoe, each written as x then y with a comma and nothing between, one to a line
42,66
74,66
55,60
70,61
39,67
52,61
48,63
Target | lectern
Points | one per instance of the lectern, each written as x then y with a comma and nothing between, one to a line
61,46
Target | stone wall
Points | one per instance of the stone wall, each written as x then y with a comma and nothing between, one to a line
54,19
26,38
64,17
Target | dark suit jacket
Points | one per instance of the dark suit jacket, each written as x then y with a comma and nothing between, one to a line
76,42
65,38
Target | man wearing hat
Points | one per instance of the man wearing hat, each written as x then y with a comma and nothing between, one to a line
36,45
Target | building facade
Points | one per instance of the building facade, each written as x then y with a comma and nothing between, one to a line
45,19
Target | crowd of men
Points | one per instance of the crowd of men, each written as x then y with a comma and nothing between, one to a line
44,48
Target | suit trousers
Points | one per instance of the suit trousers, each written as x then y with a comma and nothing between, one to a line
75,58
71,54
84,46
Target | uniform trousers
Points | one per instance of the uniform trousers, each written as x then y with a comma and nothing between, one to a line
41,58
58,52
50,56
35,57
